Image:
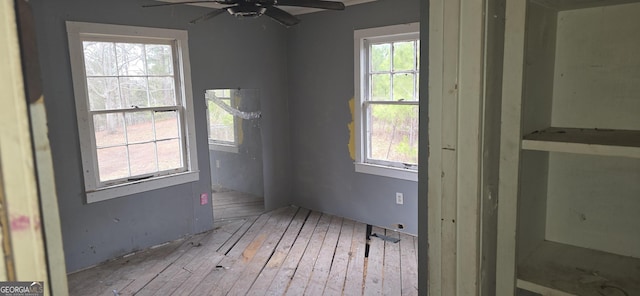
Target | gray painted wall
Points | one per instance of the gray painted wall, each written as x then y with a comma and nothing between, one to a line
224,51
321,63
242,171
251,54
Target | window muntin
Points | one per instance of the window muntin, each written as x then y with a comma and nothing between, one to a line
134,108
222,124
390,101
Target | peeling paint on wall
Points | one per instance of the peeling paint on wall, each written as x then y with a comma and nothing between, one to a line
352,131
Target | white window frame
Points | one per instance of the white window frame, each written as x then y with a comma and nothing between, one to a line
362,39
219,145
95,190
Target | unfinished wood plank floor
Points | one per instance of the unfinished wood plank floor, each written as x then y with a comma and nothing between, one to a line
289,251
230,204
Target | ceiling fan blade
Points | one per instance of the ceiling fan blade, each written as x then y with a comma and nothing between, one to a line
333,5
208,16
281,16
190,2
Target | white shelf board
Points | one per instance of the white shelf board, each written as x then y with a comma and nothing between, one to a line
559,269
585,141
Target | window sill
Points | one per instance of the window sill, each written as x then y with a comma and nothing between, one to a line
385,171
121,190
224,148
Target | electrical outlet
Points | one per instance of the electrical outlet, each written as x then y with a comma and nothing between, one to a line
217,163
204,199
399,198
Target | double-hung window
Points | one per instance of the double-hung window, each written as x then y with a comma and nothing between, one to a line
134,108
223,134
386,114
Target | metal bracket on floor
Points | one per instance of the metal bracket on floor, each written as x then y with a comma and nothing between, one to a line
386,238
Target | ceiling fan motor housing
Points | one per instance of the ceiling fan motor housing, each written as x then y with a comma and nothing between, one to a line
246,10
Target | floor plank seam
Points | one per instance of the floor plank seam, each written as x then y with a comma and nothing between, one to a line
212,279
293,275
308,228
315,258
236,242
193,241
305,249
280,223
350,257
198,244
335,248
275,244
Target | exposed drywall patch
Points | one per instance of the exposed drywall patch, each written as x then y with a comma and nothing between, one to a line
352,131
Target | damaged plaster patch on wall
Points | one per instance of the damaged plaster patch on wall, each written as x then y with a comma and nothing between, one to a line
352,131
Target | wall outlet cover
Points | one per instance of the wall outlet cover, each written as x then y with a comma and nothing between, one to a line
399,198
204,199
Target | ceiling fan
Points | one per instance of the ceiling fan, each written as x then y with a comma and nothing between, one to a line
256,8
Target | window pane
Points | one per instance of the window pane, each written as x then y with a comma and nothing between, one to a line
162,91
104,93
393,133
139,127
403,87
113,163
109,129
169,155
403,56
381,57
381,87
100,58
130,59
159,59
143,159
220,123
222,93
134,91
166,125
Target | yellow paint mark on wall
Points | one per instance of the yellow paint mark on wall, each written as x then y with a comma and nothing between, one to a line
352,131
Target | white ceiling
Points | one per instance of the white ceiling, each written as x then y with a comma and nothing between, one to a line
292,10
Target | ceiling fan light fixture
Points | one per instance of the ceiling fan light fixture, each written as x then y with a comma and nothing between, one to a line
246,10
